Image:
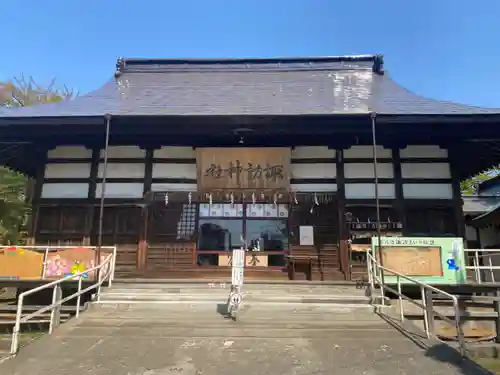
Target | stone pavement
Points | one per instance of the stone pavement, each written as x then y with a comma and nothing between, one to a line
196,340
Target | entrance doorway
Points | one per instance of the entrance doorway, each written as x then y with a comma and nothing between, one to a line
261,228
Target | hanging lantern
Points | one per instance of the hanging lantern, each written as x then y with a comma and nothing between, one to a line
316,200
253,198
166,199
190,198
274,200
295,199
232,199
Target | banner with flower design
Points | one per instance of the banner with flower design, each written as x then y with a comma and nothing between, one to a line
64,263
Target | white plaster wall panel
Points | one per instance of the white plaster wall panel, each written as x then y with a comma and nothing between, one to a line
312,152
175,152
69,152
313,188
361,152
123,170
65,190
367,191
161,170
319,170
427,191
67,170
425,170
423,151
124,152
173,187
470,233
120,190
365,170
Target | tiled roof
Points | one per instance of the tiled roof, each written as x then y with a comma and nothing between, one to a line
290,86
475,204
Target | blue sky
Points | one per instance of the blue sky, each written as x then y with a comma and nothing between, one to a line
445,49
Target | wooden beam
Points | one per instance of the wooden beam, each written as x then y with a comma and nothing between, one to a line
454,155
41,157
398,185
343,232
89,222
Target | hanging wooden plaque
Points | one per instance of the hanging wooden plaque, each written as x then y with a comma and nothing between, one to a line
266,168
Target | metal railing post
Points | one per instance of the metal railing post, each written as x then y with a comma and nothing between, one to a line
458,326
78,299
55,315
429,311
476,263
400,297
17,326
45,260
424,311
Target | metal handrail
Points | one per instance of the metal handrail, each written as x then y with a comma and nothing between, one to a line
477,268
374,270
57,299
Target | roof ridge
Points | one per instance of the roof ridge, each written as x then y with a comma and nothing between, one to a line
148,64
144,61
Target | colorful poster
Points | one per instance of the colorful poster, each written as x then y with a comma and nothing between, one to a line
432,260
64,263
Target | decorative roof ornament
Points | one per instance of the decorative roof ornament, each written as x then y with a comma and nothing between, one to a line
120,64
378,64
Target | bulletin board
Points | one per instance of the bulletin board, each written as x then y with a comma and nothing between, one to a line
432,260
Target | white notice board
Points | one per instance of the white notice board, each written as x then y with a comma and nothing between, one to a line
238,264
306,235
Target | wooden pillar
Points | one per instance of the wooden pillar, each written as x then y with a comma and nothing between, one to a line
398,184
457,194
41,156
89,219
148,178
343,232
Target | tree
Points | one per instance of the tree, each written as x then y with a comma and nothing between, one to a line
470,185
23,92
14,187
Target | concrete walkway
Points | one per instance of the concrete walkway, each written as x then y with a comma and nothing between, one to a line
197,340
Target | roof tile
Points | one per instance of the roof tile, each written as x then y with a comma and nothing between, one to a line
295,86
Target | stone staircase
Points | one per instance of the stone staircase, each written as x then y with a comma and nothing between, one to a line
270,293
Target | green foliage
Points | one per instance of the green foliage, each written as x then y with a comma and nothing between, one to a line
15,208
22,92
469,186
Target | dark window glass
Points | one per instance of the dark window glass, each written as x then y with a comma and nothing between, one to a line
219,234
271,234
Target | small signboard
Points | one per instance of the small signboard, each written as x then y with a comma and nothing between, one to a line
238,267
432,260
306,235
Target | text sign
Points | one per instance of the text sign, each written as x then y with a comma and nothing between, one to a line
238,267
431,260
243,168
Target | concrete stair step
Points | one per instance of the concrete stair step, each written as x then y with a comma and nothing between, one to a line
157,298
217,292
